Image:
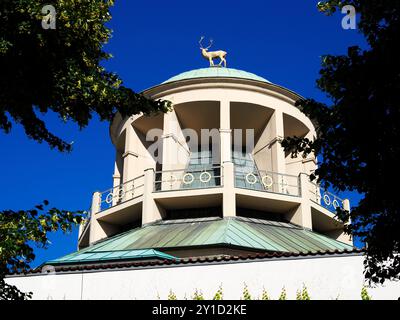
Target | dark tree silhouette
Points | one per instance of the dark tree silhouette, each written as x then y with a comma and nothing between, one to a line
59,69
358,134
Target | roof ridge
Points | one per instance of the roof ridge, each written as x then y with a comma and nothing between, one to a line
187,220
261,221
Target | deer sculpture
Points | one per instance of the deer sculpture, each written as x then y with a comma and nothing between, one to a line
211,55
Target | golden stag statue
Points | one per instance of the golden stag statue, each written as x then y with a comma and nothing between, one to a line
210,55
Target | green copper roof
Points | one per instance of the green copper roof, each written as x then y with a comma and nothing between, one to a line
238,231
216,72
95,254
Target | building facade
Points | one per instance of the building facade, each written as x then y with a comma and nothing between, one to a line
238,170
205,196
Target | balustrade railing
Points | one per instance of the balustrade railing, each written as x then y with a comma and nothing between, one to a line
212,176
184,179
324,198
121,193
267,181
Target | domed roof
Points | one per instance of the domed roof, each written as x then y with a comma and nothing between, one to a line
216,72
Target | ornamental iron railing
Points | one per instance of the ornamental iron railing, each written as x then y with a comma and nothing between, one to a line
267,181
122,193
207,177
324,198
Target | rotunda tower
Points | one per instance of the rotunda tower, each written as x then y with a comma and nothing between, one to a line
211,177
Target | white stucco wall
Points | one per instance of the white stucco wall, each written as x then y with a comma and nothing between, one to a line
329,277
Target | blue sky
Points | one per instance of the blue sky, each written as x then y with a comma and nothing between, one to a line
281,41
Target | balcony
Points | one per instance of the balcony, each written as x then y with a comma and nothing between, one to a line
173,180
267,181
149,197
325,199
209,177
122,193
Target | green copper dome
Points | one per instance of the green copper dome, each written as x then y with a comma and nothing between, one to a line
216,72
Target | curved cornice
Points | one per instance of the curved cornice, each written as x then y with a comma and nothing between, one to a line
164,89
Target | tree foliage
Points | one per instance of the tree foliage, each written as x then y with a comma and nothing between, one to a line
302,294
219,295
172,295
283,295
358,133
198,295
60,69
364,294
246,293
20,231
265,295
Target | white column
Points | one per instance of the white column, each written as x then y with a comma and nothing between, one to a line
228,201
302,214
116,182
150,210
175,148
168,143
95,229
229,197
130,155
277,152
99,230
225,131
117,174
175,151
96,203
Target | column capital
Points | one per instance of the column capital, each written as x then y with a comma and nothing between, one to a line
176,140
275,140
269,144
